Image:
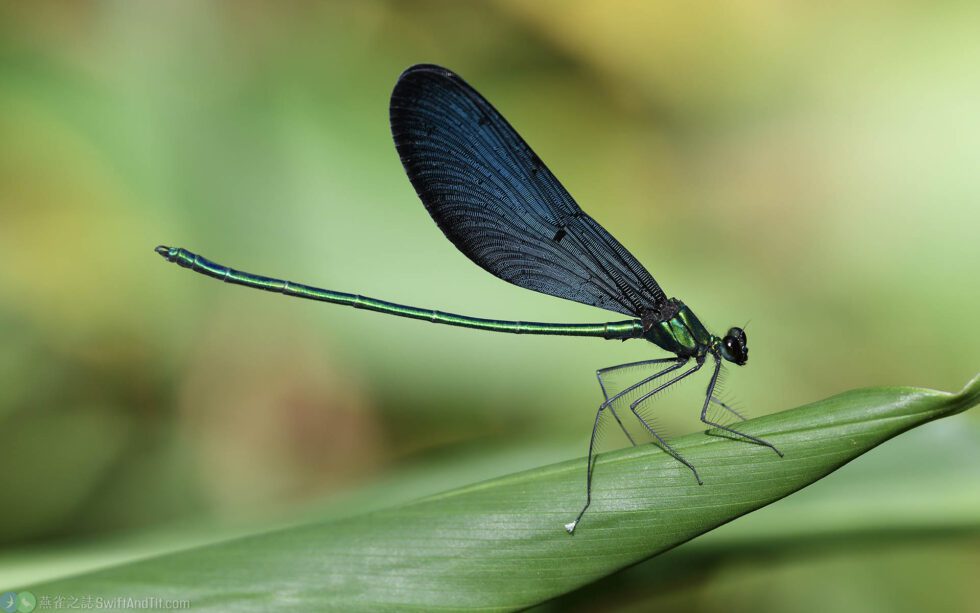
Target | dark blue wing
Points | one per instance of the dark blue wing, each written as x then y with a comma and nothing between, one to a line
501,206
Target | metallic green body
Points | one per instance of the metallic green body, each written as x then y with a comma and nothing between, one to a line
683,334
612,330
671,326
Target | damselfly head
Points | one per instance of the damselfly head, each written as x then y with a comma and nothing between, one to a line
734,347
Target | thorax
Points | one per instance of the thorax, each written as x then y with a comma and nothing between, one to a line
681,333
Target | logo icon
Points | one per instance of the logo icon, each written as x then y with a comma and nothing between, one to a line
26,602
8,602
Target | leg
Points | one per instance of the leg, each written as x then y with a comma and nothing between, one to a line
570,527
728,408
664,445
607,405
704,413
608,401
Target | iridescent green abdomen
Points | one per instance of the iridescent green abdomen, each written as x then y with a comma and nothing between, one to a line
683,334
620,330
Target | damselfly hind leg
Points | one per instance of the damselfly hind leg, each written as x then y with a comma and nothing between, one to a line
570,527
607,405
709,397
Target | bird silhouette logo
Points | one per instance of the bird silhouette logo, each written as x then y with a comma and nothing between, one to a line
8,602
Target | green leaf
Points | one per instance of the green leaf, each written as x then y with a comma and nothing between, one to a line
501,544
852,529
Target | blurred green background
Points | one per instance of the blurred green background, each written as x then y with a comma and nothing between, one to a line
808,168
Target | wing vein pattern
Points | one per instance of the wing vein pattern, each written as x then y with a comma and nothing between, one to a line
501,206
